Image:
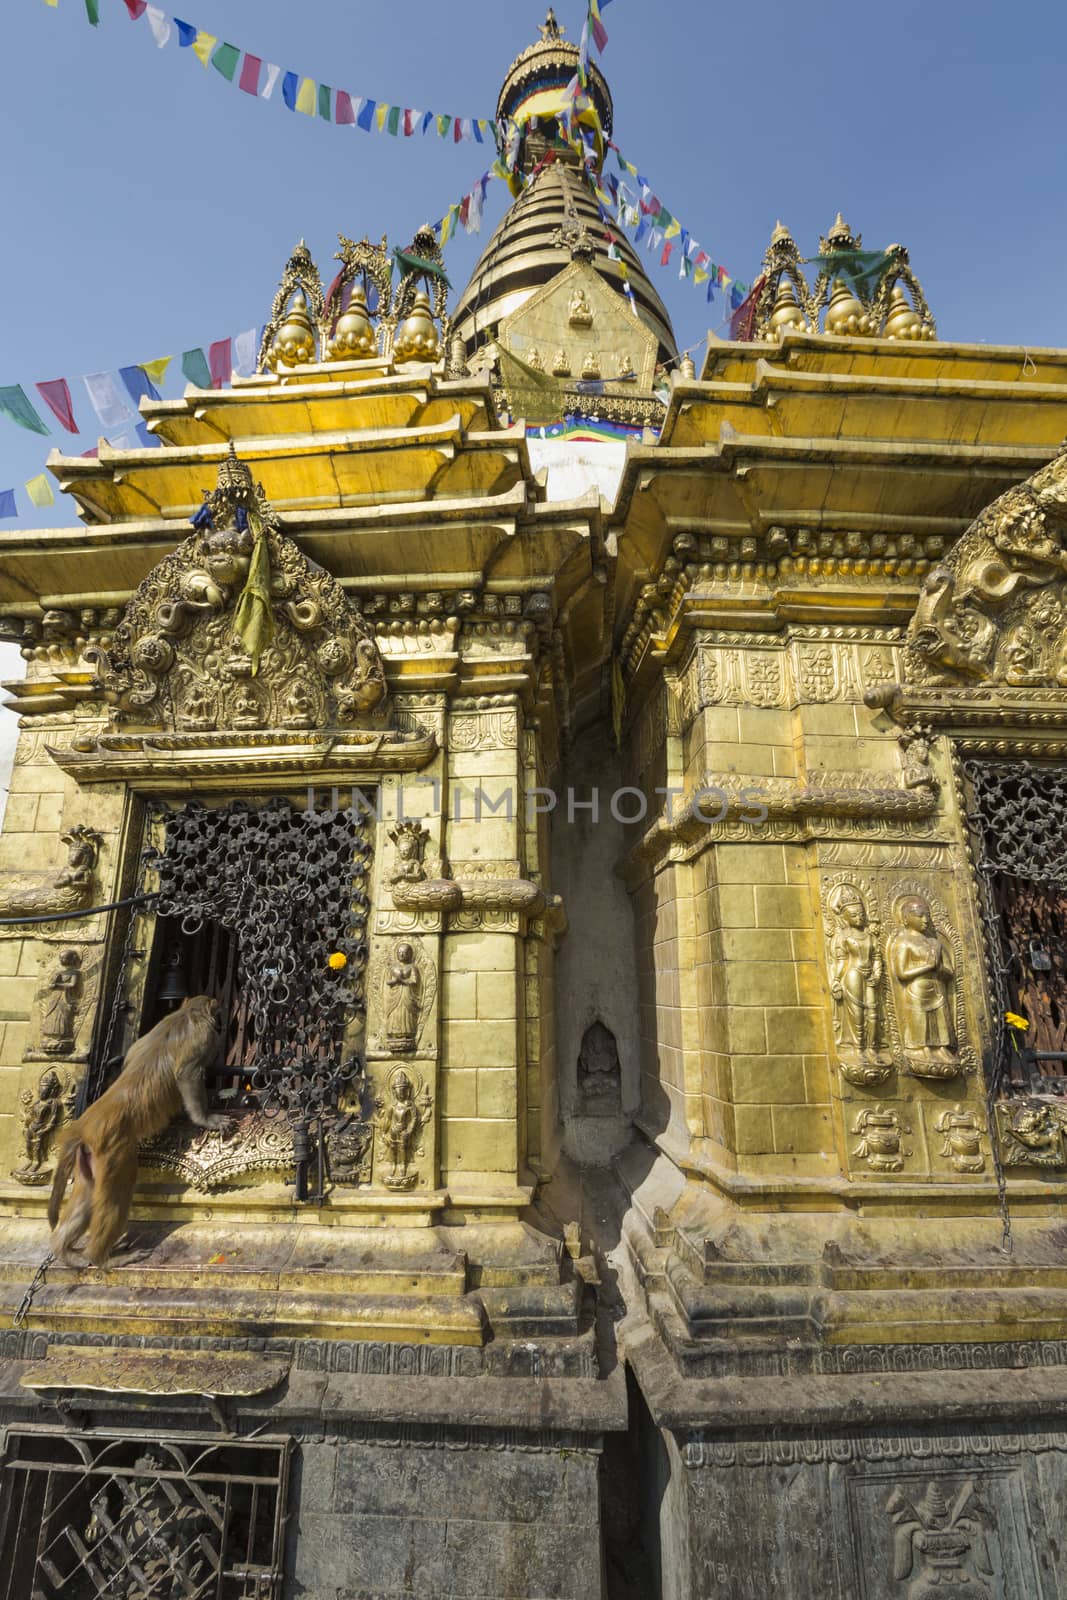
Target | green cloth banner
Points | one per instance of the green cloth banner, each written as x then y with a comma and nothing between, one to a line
408,263
14,404
92,11
864,267
324,101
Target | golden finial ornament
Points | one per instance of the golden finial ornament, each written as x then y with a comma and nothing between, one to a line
787,316
417,338
845,316
840,237
550,29
294,342
353,337
903,321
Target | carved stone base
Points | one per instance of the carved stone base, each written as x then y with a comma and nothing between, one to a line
866,1071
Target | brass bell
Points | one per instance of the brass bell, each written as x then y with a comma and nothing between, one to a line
294,342
845,315
173,987
353,337
416,337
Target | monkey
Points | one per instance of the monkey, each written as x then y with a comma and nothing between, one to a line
162,1072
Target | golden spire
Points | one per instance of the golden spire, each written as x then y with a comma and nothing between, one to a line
845,315
550,29
417,338
787,316
353,337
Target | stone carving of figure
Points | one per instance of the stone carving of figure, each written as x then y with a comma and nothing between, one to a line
399,1122
625,366
1022,662
916,746
579,314
42,1114
299,706
924,985
599,1071
590,366
410,841
246,712
561,367
534,359
401,993
856,971
59,1008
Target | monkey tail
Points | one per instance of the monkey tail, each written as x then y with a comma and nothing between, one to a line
64,1168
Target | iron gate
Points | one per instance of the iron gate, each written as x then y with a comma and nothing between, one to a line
91,1515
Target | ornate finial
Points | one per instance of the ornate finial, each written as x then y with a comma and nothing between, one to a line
422,276
293,334
845,315
550,30
235,476
781,234
783,300
840,237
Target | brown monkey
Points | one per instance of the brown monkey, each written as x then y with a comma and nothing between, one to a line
162,1072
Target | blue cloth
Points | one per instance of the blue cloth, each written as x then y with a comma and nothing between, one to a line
290,84
138,383
186,33
7,503
365,120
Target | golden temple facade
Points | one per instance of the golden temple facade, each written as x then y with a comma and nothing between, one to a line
639,920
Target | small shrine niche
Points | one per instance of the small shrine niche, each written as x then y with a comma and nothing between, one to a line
599,1073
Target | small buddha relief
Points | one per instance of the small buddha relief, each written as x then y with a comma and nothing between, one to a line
591,365
579,313
406,987
535,359
857,984
923,964
561,367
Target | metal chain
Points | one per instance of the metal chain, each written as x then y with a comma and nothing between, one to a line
26,1302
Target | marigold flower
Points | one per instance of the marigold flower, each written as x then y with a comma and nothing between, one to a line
338,961
1013,1020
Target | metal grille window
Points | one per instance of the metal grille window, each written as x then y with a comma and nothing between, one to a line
1018,816
179,1518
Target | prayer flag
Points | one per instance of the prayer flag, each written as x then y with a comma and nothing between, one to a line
7,496
51,2
225,60
365,116
186,33
665,258
273,74
324,102
56,396
159,23
392,121
477,128
443,125
345,112
108,400
157,370
203,45
289,87
92,11
411,122
146,438
14,404
40,490
249,79
138,383
381,114
220,359
427,118
137,9
245,350
305,100
196,369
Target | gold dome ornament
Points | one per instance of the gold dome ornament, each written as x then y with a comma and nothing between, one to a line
294,342
902,320
786,317
353,336
845,316
417,338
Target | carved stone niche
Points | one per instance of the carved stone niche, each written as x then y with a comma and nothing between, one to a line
995,612
236,632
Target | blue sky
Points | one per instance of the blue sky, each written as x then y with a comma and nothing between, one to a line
149,206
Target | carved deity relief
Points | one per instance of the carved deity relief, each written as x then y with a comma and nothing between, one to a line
409,839
236,629
922,971
64,997
406,986
996,610
69,889
961,1130
856,971
401,1115
881,1132
940,1541
43,1114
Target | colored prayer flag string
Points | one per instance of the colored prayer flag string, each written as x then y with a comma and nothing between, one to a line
299,92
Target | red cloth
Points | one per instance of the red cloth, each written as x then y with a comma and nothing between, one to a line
249,79
345,112
56,396
220,360
136,8
743,321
